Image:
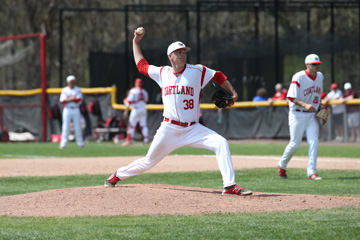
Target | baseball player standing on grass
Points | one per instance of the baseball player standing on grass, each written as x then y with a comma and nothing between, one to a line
181,85
71,98
304,100
138,98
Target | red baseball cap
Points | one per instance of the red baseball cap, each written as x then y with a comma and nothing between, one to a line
333,86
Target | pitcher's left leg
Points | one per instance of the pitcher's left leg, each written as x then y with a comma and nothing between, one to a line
203,137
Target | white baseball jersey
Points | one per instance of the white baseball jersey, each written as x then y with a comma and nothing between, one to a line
181,95
308,89
68,92
181,99
138,98
305,88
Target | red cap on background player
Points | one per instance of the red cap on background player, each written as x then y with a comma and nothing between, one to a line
139,82
333,86
312,58
176,46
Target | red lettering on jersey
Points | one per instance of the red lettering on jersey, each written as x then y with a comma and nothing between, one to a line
311,90
316,99
180,90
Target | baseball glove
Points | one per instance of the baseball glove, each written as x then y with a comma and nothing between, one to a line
323,114
222,99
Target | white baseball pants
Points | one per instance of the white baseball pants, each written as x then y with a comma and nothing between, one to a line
74,115
170,137
300,122
138,116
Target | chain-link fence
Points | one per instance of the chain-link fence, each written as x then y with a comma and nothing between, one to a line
255,43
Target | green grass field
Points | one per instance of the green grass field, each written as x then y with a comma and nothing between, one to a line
339,223
93,149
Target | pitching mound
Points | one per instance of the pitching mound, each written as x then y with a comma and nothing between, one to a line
155,199
135,199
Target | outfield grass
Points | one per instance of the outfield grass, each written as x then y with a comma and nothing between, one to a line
339,223
93,149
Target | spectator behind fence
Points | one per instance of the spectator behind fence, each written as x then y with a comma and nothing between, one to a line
261,95
337,111
280,93
353,112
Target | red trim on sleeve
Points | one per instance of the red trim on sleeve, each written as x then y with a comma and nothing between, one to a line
202,81
77,100
203,75
291,99
143,66
219,77
295,82
161,69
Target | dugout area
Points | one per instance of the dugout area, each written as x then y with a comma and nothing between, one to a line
21,111
243,122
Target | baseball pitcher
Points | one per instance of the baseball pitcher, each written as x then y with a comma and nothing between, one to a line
181,84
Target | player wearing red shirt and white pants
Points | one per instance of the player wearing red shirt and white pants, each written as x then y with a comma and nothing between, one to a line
181,85
138,98
71,98
304,100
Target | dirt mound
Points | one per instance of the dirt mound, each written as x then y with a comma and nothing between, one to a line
136,199
156,199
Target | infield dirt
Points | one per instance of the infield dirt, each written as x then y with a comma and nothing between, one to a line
156,199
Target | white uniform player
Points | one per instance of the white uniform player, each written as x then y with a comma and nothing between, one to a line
304,100
181,85
137,97
71,98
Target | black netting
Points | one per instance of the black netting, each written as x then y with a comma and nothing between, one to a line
237,37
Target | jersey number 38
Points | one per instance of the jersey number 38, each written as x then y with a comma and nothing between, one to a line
189,104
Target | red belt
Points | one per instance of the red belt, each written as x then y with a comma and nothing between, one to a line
182,124
306,111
